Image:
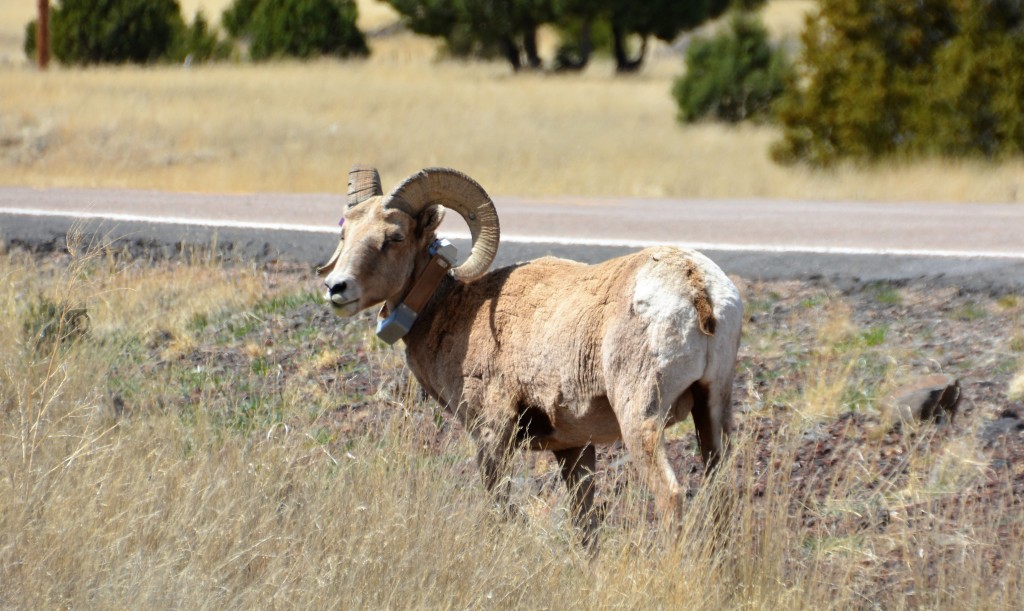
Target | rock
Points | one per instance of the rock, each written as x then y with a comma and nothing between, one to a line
1016,390
929,398
1009,423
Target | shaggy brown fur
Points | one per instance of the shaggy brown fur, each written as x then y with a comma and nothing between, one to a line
517,329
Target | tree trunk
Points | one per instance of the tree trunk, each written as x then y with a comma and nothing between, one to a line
43,35
511,51
566,59
586,46
530,47
623,63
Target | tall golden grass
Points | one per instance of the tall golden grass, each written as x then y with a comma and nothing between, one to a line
290,126
133,477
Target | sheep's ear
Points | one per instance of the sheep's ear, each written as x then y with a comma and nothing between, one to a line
429,220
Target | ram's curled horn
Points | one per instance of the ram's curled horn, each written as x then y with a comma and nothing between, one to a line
456,191
326,268
363,184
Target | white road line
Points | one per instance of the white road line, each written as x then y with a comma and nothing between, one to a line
623,243
168,220
769,248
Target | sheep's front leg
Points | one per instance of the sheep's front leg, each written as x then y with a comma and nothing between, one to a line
578,466
493,454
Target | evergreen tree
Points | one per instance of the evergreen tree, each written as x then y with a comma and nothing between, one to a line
509,27
117,31
884,78
481,28
583,28
238,16
297,28
978,104
733,76
114,31
662,19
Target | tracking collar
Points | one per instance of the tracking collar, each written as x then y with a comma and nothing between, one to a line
394,326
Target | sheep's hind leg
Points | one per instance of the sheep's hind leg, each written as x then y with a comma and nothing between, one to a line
645,440
712,419
578,466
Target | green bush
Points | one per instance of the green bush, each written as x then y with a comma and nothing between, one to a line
237,17
297,28
114,31
889,78
733,76
127,31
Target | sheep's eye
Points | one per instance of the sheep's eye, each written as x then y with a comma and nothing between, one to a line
391,239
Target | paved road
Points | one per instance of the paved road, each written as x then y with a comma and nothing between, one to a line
975,245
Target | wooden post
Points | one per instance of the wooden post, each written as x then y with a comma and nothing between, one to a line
43,35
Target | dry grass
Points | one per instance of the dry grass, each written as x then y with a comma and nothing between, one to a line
832,363
298,126
226,475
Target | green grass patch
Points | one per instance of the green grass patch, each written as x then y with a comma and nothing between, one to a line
875,336
260,366
970,312
809,303
280,304
198,323
886,294
1007,366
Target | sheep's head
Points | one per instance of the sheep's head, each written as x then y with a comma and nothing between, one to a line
383,237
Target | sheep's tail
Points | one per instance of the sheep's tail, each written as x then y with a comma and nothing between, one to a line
701,299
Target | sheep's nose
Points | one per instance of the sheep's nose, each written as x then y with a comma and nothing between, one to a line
337,288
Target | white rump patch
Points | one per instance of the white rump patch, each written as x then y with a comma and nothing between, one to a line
662,301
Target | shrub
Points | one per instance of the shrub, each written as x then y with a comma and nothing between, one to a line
297,28
886,78
127,31
733,76
114,31
237,17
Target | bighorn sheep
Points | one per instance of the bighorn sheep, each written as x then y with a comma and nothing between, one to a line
552,353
